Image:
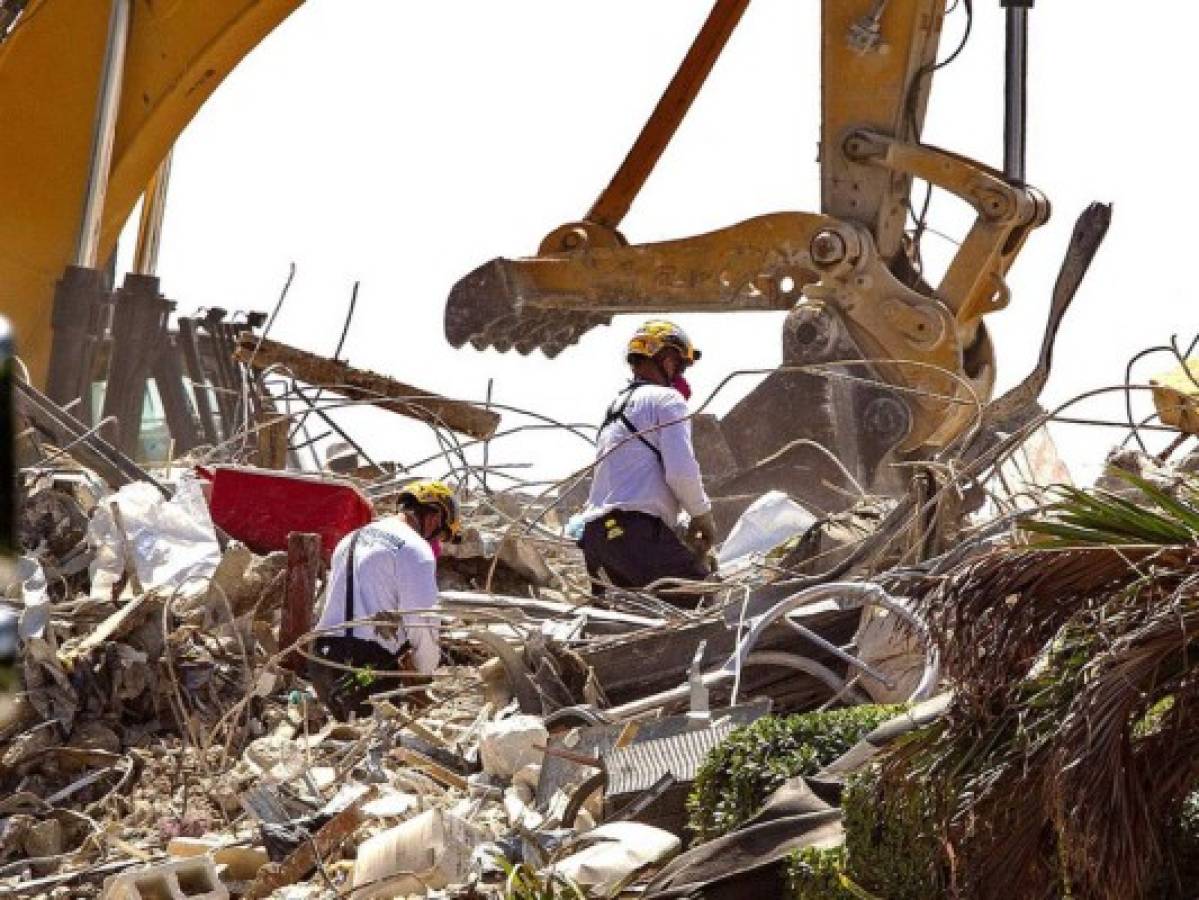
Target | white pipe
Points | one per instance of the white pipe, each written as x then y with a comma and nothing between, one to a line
847,595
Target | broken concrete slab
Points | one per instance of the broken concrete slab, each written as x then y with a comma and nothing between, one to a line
508,745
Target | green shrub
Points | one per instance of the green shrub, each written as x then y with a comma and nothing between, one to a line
814,874
752,762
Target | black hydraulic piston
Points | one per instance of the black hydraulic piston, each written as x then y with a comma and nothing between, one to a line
1015,122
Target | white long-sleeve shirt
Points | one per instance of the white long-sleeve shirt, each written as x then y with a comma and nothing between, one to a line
394,570
630,476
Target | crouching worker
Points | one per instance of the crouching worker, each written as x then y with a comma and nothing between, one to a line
388,566
646,472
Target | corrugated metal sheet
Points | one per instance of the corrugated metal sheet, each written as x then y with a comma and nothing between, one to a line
637,767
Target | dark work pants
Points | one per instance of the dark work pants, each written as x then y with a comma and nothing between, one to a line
635,549
347,692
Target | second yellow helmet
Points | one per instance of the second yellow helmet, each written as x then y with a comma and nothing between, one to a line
439,495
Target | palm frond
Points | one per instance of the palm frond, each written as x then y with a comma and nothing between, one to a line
1082,518
1046,781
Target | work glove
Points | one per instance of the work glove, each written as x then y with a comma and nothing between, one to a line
701,533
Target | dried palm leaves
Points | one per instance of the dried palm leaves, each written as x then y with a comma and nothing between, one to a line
1073,741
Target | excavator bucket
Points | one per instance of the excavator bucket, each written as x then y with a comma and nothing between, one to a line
487,309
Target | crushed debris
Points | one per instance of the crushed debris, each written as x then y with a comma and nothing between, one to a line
166,740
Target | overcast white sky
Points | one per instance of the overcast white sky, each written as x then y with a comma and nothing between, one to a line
402,144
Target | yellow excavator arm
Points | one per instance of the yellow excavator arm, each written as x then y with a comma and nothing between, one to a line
846,276
51,67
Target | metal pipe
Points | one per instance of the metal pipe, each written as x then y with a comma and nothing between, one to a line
340,432
77,432
103,134
847,595
149,229
1015,120
848,658
613,204
808,666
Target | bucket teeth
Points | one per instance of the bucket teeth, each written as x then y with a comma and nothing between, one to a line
485,309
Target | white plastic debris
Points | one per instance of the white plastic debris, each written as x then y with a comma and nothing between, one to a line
573,530
614,854
170,541
428,852
391,804
29,583
507,746
771,520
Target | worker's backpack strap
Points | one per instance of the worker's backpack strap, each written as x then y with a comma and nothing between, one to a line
616,413
350,583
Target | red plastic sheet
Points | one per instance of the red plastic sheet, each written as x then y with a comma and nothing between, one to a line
260,508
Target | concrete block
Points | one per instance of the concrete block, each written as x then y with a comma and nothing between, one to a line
506,746
187,879
240,863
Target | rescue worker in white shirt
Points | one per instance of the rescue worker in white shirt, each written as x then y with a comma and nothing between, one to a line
646,472
388,566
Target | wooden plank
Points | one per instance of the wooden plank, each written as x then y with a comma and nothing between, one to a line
303,567
360,384
434,770
310,853
273,431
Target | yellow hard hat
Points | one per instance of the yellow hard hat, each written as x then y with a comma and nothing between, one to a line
439,495
656,335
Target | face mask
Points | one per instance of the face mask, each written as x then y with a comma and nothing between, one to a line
679,383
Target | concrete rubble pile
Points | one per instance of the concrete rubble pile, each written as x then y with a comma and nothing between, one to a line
165,742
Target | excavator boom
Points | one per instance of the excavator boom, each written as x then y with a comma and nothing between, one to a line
176,52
